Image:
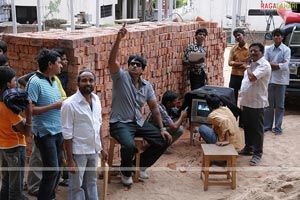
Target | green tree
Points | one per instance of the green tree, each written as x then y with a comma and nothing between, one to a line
52,8
179,3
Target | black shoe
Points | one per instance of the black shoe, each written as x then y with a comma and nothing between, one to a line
267,129
64,183
276,131
35,193
245,152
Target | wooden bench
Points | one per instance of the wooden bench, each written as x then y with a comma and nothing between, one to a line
213,152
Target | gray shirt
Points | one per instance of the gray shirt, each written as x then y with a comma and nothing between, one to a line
277,55
127,100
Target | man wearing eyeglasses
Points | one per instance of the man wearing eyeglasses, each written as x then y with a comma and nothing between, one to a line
129,94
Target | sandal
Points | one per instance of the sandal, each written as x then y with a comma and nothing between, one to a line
255,160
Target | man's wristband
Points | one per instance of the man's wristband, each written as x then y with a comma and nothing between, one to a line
163,129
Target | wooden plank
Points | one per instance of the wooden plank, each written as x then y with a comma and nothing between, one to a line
213,149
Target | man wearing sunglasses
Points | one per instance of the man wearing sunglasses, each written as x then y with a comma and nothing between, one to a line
129,94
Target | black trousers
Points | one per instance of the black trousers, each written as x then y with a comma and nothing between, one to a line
253,119
235,83
197,80
124,133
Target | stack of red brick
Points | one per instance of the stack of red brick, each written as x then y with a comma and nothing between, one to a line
162,44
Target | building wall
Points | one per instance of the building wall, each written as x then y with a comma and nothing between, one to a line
87,6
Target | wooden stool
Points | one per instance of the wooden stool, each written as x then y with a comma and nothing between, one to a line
104,169
213,152
138,143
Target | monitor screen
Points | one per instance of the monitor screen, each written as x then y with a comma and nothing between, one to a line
199,111
202,109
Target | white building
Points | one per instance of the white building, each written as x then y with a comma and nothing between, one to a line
220,10
211,10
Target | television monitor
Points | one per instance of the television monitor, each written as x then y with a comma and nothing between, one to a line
199,111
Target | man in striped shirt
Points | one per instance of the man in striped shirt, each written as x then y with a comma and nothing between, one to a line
44,92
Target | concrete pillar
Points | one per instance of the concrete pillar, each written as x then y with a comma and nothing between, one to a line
113,12
159,7
14,18
233,23
124,9
72,15
135,9
39,16
171,4
98,14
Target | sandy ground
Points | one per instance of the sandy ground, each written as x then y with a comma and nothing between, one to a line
176,175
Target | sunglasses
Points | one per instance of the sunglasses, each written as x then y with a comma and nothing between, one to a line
136,63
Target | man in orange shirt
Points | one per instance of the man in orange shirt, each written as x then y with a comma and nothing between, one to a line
237,60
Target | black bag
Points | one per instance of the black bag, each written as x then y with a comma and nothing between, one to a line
15,99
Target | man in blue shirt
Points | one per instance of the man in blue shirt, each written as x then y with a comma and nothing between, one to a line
279,56
44,92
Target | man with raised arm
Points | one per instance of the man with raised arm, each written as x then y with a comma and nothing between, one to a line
129,93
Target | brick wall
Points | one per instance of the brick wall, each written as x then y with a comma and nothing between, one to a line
162,44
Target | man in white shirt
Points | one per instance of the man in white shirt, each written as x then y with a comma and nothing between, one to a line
279,56
81,122
254,98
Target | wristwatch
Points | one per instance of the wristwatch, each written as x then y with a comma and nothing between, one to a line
163,129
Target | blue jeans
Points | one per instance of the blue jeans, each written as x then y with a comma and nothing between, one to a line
50,147
124,133
276,96
208,134
83,185
13,164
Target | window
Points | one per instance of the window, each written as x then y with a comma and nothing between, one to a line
26,14
106,11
